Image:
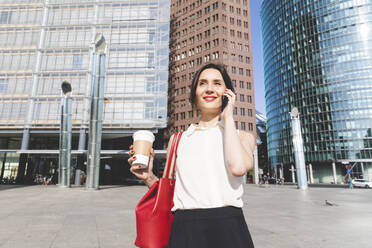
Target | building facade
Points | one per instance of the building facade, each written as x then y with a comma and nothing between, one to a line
318,58
210,31
45,42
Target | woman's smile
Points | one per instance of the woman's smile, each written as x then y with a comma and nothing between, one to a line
209,98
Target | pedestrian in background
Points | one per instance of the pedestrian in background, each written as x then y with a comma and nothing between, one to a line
350,183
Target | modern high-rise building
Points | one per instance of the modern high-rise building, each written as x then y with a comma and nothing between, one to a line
46,42
318,58
210,31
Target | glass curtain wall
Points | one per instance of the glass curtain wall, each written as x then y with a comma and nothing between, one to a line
318,57
43,43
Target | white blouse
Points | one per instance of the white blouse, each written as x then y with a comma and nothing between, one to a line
202,177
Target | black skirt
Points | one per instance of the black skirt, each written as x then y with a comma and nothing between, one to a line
223,227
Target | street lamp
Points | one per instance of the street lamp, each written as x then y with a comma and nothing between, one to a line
65,136
99,47
298,149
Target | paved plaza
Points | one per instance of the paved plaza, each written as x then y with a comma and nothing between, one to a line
277,216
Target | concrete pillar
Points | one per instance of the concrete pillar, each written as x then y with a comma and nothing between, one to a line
255,166
293,174
362,169
334,173
281,171
298,150
311,173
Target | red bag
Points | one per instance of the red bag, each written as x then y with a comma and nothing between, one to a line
153,212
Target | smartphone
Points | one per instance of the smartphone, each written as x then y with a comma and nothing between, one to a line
224,102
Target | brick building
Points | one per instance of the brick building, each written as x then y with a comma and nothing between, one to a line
210,31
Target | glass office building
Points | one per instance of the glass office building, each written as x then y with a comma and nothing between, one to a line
318,58
44,42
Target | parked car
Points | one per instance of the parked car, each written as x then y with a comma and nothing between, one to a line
362,183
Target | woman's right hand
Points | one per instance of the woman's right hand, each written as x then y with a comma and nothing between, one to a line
145,174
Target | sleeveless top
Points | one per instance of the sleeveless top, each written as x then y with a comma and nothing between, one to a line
202,177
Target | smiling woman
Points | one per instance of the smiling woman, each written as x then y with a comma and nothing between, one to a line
212,159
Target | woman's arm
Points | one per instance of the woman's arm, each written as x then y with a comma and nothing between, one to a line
238,149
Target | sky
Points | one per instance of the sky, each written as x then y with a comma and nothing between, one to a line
258,73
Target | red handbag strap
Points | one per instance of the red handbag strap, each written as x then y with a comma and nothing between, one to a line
169,169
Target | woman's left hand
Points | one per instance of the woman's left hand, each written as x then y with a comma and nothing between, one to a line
228,110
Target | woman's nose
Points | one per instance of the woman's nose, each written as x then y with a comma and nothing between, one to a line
210,88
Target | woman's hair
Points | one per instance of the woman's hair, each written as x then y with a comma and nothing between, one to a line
195,80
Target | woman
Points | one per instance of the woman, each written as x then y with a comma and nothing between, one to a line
212,159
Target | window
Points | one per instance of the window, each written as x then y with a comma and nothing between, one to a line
249,99
3,85
233,57
248,72
232,21
207,9
207,21
224,18
249,85
241,71
215,18
215,55
199,61
207,45
224,30
215,42
224,43
241,84
207,33
234,84
233,70
191,114
77,61
191,40
235,110
5,17
224,6
215,30
242,125
250,112
250,126
247,60
242,111
242,98
207,58
199,37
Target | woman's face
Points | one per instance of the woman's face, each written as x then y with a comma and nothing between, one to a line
210,89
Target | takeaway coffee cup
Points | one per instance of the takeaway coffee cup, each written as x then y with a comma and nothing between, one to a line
142,144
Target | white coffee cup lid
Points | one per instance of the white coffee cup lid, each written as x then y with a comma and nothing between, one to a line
144,135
